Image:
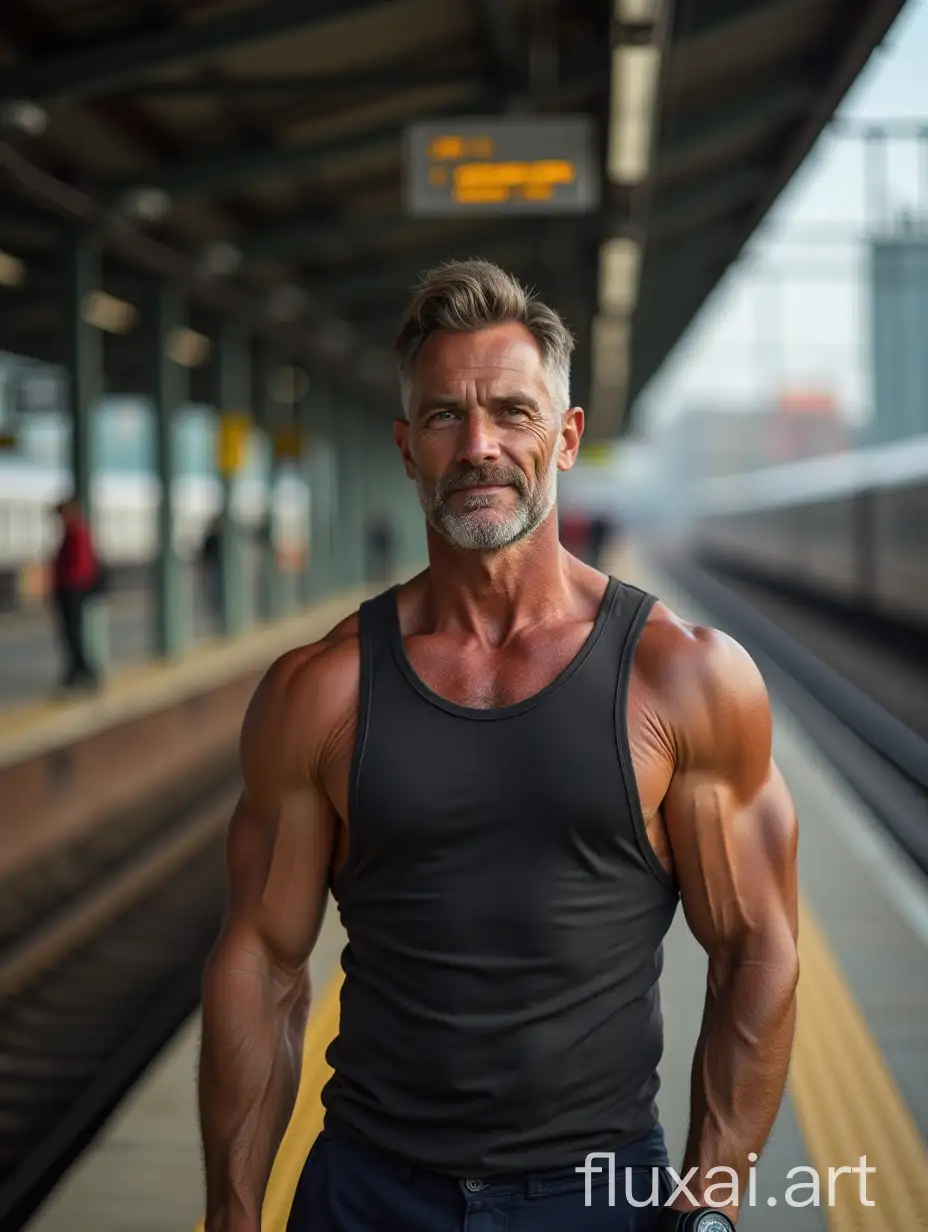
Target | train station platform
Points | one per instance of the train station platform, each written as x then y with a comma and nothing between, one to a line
859,1077
145,686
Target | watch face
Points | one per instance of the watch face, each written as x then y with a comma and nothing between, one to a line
712,1222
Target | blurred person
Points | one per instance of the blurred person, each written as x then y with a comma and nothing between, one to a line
599,536
211,568
77,576
380,548
509,770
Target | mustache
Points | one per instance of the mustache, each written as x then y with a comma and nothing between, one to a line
483,476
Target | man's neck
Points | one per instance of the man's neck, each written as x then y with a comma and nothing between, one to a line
494,594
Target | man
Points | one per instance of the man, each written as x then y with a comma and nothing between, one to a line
508,769
76,575
211,569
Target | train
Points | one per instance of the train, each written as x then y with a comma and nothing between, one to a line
850,529
125,521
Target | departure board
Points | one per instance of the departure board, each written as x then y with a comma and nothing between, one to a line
525,165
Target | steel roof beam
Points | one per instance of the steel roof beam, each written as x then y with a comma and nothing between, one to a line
359,233
97,69
509,63
304,84
137,248
702,204
225,168
709,17
696,136
228,168
355,284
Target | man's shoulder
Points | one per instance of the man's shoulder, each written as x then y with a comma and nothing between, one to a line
706,687
314,680
675,651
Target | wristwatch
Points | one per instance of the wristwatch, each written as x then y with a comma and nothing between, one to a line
706,1219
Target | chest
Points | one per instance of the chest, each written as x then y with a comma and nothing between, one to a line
466,673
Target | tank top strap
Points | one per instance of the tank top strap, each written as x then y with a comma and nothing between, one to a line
628,613
376,619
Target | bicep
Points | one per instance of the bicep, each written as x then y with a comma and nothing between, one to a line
735,861
277,857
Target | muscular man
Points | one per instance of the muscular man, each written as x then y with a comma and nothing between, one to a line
508,770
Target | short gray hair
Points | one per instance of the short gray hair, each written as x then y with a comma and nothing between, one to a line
465,296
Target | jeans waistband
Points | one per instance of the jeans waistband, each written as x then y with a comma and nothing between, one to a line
648,1151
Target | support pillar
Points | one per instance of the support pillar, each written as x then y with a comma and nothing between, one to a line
84,351
173,583
350,492
267,416
85,361
315,412
233,396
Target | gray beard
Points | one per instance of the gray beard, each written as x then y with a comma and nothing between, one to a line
474,530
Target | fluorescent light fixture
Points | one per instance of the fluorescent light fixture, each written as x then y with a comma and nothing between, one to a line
188,348
288,385
637,12
634,88
610,351
619,262
12,270
146,203
107,313
21,115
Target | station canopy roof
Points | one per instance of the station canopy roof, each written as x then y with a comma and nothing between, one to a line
263,144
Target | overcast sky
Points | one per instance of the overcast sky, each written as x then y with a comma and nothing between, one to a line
807,325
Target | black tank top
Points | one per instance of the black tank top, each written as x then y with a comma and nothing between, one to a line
505,916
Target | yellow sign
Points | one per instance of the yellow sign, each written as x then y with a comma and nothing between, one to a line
232,443
288,443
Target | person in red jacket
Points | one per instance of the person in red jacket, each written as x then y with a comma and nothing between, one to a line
76,577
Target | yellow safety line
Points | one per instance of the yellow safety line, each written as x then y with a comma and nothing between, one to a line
306,1121
848,1105
844,1096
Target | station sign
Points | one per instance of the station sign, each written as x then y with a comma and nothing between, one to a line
526,165
232,442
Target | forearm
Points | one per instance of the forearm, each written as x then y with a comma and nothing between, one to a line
739,1068
254,1018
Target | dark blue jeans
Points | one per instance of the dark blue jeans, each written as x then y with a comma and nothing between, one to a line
350,1187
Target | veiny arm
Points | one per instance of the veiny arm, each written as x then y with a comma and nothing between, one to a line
256,988
733,831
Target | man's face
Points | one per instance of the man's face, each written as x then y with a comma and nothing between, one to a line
483,441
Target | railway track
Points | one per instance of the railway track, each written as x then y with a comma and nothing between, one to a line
883,759
102,951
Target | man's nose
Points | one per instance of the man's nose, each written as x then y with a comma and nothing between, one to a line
478,442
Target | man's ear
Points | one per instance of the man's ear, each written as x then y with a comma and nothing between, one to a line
572,427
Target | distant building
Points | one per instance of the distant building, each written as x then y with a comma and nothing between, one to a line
899,330
710,442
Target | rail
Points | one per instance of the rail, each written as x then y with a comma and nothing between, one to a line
94,991
883,760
